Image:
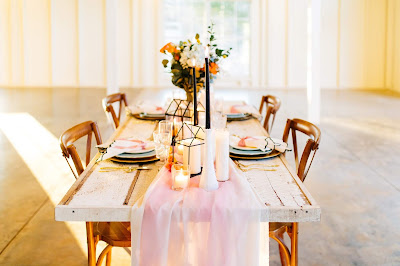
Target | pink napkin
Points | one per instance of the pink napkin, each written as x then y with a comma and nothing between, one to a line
244,109
127,146
148,108
196,227
260,142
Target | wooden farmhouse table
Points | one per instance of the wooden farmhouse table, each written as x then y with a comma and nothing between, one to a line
109,196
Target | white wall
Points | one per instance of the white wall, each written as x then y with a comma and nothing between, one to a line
62,43
393,51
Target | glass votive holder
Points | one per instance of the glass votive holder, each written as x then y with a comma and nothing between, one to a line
180,176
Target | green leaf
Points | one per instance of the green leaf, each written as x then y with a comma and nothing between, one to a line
176,72
165,62
176,65
212,38
219,52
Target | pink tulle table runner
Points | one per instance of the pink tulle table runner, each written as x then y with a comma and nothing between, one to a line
196,227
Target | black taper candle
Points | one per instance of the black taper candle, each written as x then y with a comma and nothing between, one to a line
208,124
196,116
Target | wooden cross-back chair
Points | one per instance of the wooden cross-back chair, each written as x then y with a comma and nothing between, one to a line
273,104
276,230
113,233
108,106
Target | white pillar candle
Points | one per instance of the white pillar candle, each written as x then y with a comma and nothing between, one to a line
222,154
180,149
192,155
202,119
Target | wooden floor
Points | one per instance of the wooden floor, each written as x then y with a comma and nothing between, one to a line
355,177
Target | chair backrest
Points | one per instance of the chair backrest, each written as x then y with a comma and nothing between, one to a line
69,137
108,106
314,134
273,104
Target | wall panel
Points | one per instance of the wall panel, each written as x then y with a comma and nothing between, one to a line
62,43
277,42
36,36
64,40
91,43
375,41
16,42
352,49
5,42
329,42
297,43
124,42
396,44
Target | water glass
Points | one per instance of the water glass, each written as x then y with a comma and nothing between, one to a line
165,126
219,105
219,120
162,143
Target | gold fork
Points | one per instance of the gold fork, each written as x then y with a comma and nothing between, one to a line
127,169
254,168
256,164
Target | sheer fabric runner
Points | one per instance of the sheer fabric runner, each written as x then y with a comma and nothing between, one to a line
196,227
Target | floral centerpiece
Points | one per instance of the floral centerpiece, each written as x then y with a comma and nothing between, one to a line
180,64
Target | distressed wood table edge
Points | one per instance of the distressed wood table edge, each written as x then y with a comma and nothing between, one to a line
64,212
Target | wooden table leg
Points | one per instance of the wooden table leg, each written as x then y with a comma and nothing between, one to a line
294,243
91,244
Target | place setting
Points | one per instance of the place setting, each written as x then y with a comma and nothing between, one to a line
128,150
255,147
146,110
241,112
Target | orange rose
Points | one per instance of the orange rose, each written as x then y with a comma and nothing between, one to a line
169,163
176,57
170,47
213,68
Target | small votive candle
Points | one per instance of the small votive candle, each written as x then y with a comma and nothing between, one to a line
180,176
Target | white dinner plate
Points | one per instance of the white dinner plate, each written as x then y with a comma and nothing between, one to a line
245,148
147,154
248,153
142,151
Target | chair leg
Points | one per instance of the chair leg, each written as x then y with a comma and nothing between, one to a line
283,249
294,244
103,254
108,258
91,244
284,259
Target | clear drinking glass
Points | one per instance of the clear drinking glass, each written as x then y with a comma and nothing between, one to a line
164,126
219,105
219,120
162,143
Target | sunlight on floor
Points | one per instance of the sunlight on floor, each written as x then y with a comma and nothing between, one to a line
40,150
383,129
